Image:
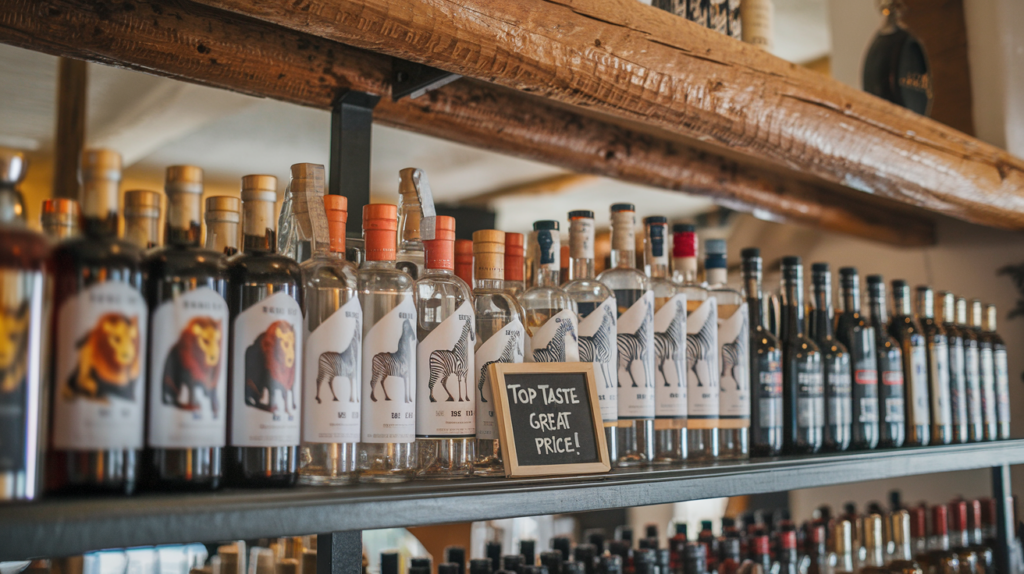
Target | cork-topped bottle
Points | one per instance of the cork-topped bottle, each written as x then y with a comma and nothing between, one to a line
265,348
60,218
972,374
550,313
945,311
1000,372
223,214
515,265
142,218
96,421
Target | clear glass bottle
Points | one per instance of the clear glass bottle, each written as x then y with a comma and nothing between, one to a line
803,388
446,329
634,341
387,452
858,336
987,369
874,546
972,374
13,169
141,218
598,315
843,546
945,310
937,348
702,348
514,264
265,348
766,412
413,191
734,359
902,561
550,312
96,422
186,290
905,329
891,391
670,408
464,260
223,214
332,362
1000,372
500,337
835,362
60,218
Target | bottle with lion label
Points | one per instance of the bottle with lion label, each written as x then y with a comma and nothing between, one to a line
387,450
97,387
550,312
188,347
265,348
733,357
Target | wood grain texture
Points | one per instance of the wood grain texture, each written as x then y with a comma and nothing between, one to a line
194,43
69,139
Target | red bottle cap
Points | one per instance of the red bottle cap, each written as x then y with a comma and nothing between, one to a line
974,514
514,256
440,251
787,539
958,515
917,522
563,260
336,207
940,520
762,545
684,244
464,260
380,227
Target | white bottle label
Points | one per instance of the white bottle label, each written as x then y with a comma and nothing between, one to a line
101,366
635,342
974,394
265,378
941,404
670,359
734,364
1002,385
598,345
188,383
702,361
919,384
389,377
555,341
505,346
446,398
988,387
332,375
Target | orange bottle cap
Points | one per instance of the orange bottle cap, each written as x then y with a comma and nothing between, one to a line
380,224
440,251
336,207
514,256
464,260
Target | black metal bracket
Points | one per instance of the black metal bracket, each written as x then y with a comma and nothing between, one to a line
351,131
414,80
339,552
1005,528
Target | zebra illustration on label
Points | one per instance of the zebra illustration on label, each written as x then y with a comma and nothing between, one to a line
734,336
702,351
633,347
508,355
554,352
386,364
700,346
666,345
734,355
505,345
597,348
444,363
344,364
334,349
443,356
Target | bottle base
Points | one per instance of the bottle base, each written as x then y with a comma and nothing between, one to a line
384,478
317,480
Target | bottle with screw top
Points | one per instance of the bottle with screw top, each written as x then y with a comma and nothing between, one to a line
265,348
906,330
766,412
598,316
223,214
733,357
937,348
634,341
387,452
446,329
670,388
945,311
1000,372
141,218
514,264
803,389
987,368
550,312
835,363
858,336
464,260
415,207
60,218
889,354
186,291
96,424
972,374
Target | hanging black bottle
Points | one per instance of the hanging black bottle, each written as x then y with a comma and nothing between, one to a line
803,398
889,355
766,411
937,350
835,362
907,332
854,331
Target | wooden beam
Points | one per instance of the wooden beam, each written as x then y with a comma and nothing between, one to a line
544,186
69,139
646,66
194,43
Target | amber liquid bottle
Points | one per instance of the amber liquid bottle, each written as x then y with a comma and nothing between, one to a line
186,289
265,301
223,214
96,422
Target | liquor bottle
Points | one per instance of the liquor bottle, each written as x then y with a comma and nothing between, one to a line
23,278
464,260
598,315
387,452
670,400
332,362
634,341
902,559
677,548
96,421
265,301
550,312
415,202
1000,371
986,361
788,560
60,218
802,385
972,374
500,338
141,216
874,546
446,330
892,426
13,169
816,555
976,537
919,532
858,336
765,366
734,360
940,559
945,309
514,265
835,363
937,351
843,546
223,213
188,346
896,66
959,538
905,329
703,374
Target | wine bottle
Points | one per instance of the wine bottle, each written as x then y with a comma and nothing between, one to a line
803,392
972,374
514,264
13,169
60,218
835,362
905,329
891,390
859,336
937,349
766,412
987,368
223,213
550,312
1000,372
141,218
945,309
734,360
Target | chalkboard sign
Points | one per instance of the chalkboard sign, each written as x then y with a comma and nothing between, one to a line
549,419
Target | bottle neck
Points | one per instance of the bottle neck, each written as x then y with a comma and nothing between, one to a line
378,264
222,236
623,258
939,542
878,308
259,233
410,214
901,302
99,206
716,275
141,231
874,556
182,227
490,284
687,268
823,308
850,297
925,304
793,306
11,205
581,268
545,276
428,272
752,282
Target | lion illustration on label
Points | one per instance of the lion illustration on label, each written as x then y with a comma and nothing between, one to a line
194,364
13,348
108,360
270,366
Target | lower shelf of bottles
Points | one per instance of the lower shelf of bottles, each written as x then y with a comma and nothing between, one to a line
66,526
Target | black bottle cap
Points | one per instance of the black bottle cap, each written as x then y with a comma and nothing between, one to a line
850,508
448,568
684,228
545,225
456,555
597,538
562,544
651,531
899,284
819,267
420,570
423,561
480,566
585,213
791,260
705,525
616,207
655,219
625,532
874,279
922,288
895,500
648,543
574,568
493,551
847,271
528,548
681,529
874,507
512,562
389,563
609,564
728,522
825,512
553,560
620,548
750,252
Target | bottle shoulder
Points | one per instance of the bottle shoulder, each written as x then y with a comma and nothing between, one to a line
490,303
664,288
96,251
264,265
694,292
587,290
546,298
442,287
624,278
726,295
383,279
23,248
322,272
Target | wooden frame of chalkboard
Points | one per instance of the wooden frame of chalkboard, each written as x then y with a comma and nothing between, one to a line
559,382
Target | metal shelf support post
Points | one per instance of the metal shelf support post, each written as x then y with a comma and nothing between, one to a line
1004,517
339,552
351,128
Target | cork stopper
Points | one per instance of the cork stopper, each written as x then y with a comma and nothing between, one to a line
13,166
515,247
976,313
223,208
259,188
489,254
100,164
307,191
259,193
336,207
464,260
100,176
581,234
623,227
380,222
440,251
183,179
142,203
991,315
60,217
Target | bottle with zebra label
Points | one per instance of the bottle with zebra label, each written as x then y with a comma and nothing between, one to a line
550,312
835,361
1001,373
733,357
937,351
889,355
858,336
634,342
446,329
499,339
598,318
905,329
945,309
765,366
803,391
972,374
387,450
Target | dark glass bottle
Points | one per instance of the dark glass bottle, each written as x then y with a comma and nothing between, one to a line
905,329
855,332
803,398
223,213
972,374
896,66
265,301
1000,372
96,422
766,409
889,355
987,370
186,289
835,361
788,560
945,310
937,348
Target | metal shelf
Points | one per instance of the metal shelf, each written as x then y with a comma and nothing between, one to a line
59,527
